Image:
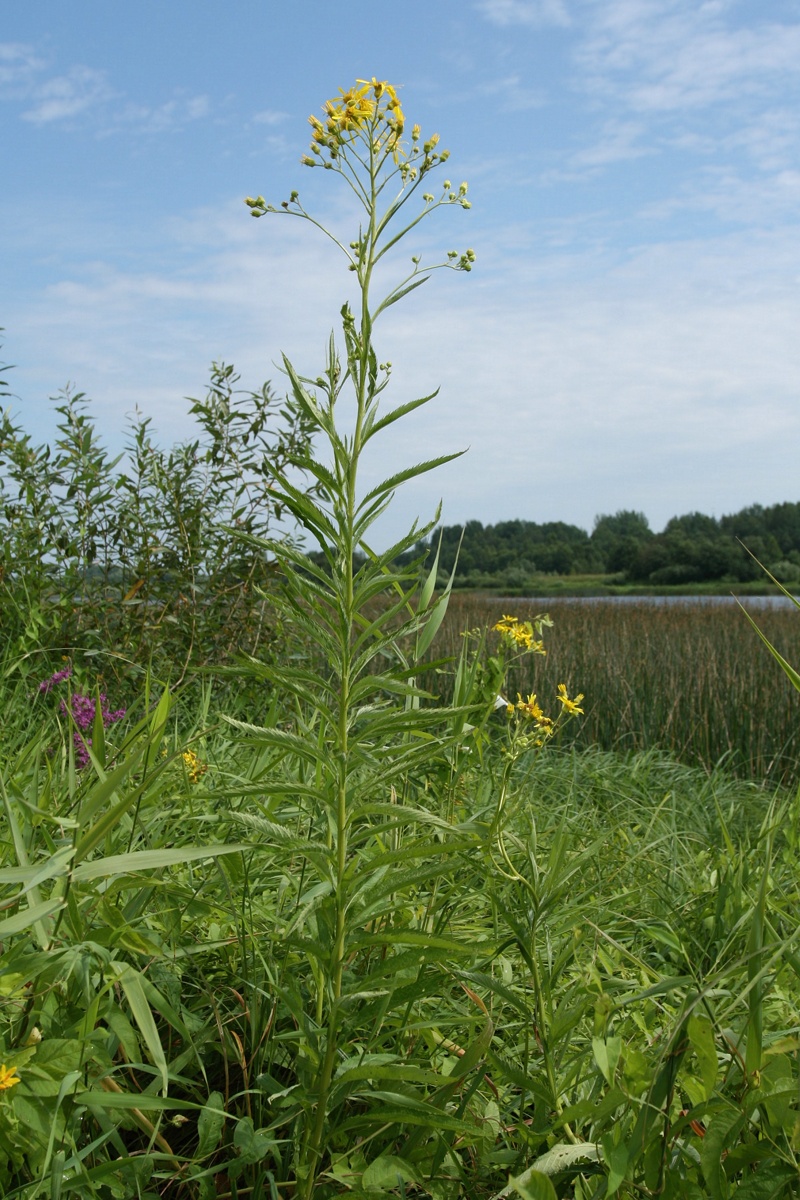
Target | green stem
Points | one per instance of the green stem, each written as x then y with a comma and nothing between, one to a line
348,615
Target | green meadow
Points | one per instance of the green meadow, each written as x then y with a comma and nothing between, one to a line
322,879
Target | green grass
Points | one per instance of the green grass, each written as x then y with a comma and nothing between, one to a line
609,976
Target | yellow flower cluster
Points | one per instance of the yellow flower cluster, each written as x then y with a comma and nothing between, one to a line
520,634
570,706
375,103
8,1077
195,766
531,708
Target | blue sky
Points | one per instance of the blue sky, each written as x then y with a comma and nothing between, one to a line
629,335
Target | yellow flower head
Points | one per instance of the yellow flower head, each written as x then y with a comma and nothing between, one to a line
195,766
570,706
372,108
519,633
8,1077
530,708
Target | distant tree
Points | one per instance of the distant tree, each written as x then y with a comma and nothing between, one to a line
693,524
616,539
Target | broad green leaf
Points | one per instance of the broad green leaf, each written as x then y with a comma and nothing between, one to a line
388,1172
251,1144
721,1135
607,1053
32,876
142,1014
533,1185
616,1159
701,1035
148,860
29,916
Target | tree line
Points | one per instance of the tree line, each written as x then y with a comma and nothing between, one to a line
693,548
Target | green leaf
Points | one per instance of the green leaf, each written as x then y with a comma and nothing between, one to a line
252,1145
29,916
607,1054
210,1124
701,1035
616,1159
394,481
721,1136
532,1186
388,1172
131,984
148,860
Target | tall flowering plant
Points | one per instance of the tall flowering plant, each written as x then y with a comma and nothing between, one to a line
367,736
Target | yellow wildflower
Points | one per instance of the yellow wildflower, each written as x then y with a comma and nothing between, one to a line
195,766
505,624
571,706
532,709
519,633
8,1077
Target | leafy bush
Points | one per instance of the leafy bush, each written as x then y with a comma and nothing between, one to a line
145,552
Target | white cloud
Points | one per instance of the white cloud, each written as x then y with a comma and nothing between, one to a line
617,141
86,92
665,381
269,117
665,55
174,114
511,93
82,88
18,66
524,12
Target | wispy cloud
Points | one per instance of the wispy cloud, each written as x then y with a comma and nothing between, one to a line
617,141
663,55
174,114
512,94
81,89
524,12
19,64
269,117
87,92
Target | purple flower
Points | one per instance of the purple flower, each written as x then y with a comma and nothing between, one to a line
82,710
81,745
59,677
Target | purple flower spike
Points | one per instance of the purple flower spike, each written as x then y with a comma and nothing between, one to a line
82,710
59,677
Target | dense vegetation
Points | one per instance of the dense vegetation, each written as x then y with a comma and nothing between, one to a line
348,913
151,551
691,549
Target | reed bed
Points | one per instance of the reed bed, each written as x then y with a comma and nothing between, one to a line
690,679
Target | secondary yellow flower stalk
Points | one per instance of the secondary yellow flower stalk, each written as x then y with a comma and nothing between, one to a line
570,706
519,633
195,766
8,1077
530,708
